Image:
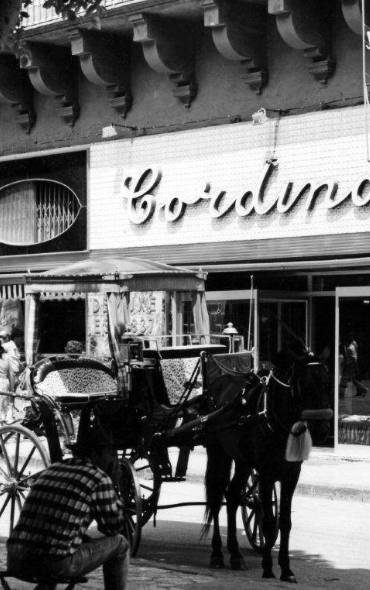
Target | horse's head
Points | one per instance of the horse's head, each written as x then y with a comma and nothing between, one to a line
309,389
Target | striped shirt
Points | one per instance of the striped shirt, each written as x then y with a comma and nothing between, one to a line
62,503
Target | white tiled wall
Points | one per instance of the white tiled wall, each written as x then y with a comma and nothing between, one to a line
328,146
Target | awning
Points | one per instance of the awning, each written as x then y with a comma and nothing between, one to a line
115,274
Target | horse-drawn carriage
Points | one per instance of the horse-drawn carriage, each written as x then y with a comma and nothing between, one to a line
152,397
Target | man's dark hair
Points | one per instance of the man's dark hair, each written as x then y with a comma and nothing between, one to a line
92,436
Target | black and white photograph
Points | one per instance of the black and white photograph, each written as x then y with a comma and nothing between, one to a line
184,294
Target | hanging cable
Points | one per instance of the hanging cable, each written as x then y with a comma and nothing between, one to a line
364,80
250,316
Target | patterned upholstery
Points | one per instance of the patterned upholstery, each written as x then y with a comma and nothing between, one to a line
176,373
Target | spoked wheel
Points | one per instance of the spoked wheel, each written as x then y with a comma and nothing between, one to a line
22,458
149,477
251,509
130,493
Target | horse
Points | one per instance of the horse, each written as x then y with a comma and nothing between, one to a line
254,434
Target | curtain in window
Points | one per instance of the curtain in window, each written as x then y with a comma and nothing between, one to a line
31,341
201,318
18,214
117,319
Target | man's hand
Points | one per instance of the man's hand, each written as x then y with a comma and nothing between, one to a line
114,471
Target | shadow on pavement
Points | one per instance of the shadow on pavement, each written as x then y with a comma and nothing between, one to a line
176,546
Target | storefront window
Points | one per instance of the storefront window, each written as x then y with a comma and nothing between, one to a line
353,370
282,324
238,312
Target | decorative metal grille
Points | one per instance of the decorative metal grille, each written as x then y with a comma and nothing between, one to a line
35,211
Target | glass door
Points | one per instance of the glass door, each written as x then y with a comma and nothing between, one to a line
267,323
240,309
283,322
352,369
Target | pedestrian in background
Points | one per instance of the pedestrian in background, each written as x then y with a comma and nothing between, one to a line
7,384
351,369
12,351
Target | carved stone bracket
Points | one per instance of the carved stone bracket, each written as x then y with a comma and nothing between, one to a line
105,61
52,72
239,34
302,26
352,13
169,47
16,89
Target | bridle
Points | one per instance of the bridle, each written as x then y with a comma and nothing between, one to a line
271,419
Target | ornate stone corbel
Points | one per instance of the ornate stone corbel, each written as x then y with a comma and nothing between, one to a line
169,47
52,72
16,89
302,26
105,61
239,34
352,13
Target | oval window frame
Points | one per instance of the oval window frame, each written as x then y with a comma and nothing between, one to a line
47,180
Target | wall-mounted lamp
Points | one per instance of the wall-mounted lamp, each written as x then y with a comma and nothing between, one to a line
111,130
259,117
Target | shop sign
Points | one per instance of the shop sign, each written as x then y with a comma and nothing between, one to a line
144,199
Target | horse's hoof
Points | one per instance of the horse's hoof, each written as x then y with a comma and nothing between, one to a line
290,577
217,563
237,563
269,574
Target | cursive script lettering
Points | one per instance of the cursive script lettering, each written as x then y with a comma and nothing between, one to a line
260,199
141,203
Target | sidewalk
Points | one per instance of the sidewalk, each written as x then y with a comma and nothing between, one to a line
324,474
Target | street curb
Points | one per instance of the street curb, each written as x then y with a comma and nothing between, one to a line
307,489
333,493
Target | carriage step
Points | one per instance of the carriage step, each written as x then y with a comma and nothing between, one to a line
46,581
173,478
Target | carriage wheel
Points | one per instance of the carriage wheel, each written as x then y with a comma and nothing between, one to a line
22,458
251,509
130,494
149,477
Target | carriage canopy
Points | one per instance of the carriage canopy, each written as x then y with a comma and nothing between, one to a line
128,294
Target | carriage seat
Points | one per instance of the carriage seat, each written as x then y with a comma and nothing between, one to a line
73,380
48,581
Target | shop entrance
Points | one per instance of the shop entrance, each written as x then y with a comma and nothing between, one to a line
352,368
266,322
283,323
60,321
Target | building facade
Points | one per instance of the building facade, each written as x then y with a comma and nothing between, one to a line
213,134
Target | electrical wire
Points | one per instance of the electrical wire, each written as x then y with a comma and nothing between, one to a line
364,80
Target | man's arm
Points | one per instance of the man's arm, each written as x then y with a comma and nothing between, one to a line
107,509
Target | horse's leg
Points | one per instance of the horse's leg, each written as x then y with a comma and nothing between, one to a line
233,496
266,485
216,479
288,485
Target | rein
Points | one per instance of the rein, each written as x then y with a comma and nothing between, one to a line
270,417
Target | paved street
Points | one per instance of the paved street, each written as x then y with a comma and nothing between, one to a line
330,544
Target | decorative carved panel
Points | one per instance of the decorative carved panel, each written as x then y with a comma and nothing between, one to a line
105,61
239,34
147,313
352,12
169,47
52,72
304,26
16,89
